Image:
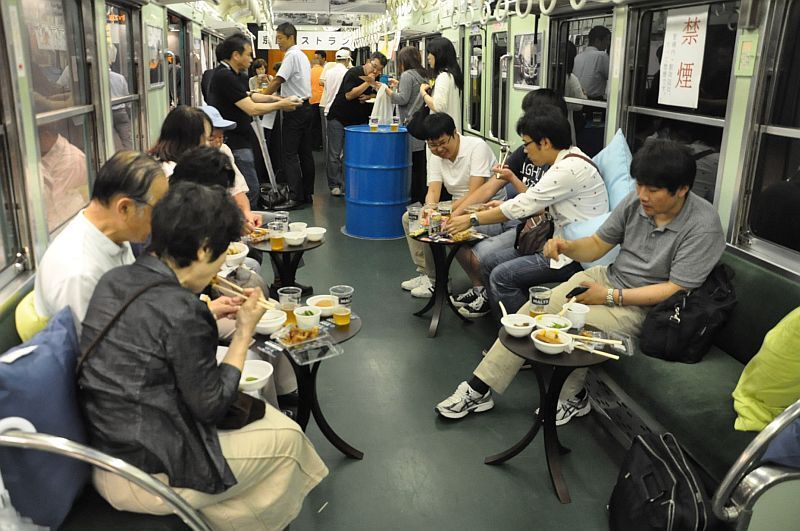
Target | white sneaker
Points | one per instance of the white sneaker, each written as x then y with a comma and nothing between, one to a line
412,283
465,298
477,308
571,407
424,290
464,401
337,192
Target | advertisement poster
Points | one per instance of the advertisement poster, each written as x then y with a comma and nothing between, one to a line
155,57
527,60
682,59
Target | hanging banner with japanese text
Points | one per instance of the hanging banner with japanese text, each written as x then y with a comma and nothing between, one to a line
682,59
325,40
265,41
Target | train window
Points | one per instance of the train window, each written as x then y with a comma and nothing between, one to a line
580,66
65,117
8,232
474,88
772,194
717,59
65,167
122,75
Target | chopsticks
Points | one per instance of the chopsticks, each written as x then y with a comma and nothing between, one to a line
566,306
594,339
226,287
502,161
581,346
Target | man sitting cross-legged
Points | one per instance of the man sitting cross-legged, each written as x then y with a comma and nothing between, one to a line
669,239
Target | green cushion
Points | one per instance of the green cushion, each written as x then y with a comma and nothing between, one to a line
764,296
690,400
771,381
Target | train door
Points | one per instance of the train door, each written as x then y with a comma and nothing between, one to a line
653,113
123,39
473,80
579,69
178,68
193,69
498,83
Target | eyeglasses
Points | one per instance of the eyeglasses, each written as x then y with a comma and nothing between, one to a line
142,202
440,144
526,144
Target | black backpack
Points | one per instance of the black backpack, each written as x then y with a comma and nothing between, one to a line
682,327
658,490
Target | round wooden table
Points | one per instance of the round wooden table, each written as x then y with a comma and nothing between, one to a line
561,365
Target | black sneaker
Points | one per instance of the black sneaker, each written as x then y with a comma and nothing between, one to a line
465,298
477,308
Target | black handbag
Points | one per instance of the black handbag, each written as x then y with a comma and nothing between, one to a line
244,410
658,489
682,327
534,233
416,125
273,195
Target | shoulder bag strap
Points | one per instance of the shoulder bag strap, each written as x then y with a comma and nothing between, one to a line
587,159
114,319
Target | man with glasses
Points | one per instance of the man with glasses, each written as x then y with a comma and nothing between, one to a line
98,237
349,107
459,164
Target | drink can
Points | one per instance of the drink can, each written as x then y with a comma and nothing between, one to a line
435,226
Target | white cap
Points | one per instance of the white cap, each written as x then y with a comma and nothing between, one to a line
342,54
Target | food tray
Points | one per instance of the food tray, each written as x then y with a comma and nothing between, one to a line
281,335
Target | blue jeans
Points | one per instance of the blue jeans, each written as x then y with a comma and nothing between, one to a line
335,151
246,162
511,274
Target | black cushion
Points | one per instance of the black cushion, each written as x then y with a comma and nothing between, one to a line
691,401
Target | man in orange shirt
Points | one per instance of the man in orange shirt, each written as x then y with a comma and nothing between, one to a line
316,95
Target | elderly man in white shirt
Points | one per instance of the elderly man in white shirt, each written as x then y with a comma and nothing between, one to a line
591,65
573,190
459,163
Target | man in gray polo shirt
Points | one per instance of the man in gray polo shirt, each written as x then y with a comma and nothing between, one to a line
294,80
669,240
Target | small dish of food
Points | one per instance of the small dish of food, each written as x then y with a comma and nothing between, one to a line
271,321
315,234
292,336
552,321
259,235
298,226
237,252
294,238
255,375
517,325
549,341
307,316
326,303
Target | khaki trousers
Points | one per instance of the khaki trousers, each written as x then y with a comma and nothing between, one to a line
275,467
420,253
500,365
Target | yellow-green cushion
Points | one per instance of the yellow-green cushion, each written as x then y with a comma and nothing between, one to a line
771,380
29,323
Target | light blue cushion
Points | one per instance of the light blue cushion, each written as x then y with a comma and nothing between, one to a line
40,387
614,163
785,447
584,229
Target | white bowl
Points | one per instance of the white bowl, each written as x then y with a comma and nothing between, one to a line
255,375
307,322
234,260
551,348
547,320
327,311
271,322
298,226
577,313
517,325
315,234
294,238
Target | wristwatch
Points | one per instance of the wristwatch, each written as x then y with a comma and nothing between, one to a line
473,220
610,297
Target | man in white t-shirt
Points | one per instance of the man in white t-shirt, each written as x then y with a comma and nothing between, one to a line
460,164
331,79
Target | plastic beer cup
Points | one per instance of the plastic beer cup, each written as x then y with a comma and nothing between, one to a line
540,298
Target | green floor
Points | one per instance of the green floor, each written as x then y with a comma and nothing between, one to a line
421,472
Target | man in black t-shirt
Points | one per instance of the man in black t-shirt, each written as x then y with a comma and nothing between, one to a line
349,108
227,92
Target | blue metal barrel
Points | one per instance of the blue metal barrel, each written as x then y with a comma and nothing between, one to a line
377,173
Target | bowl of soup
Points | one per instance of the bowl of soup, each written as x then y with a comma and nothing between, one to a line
517,325
549,341
237,252
326,303
255,375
